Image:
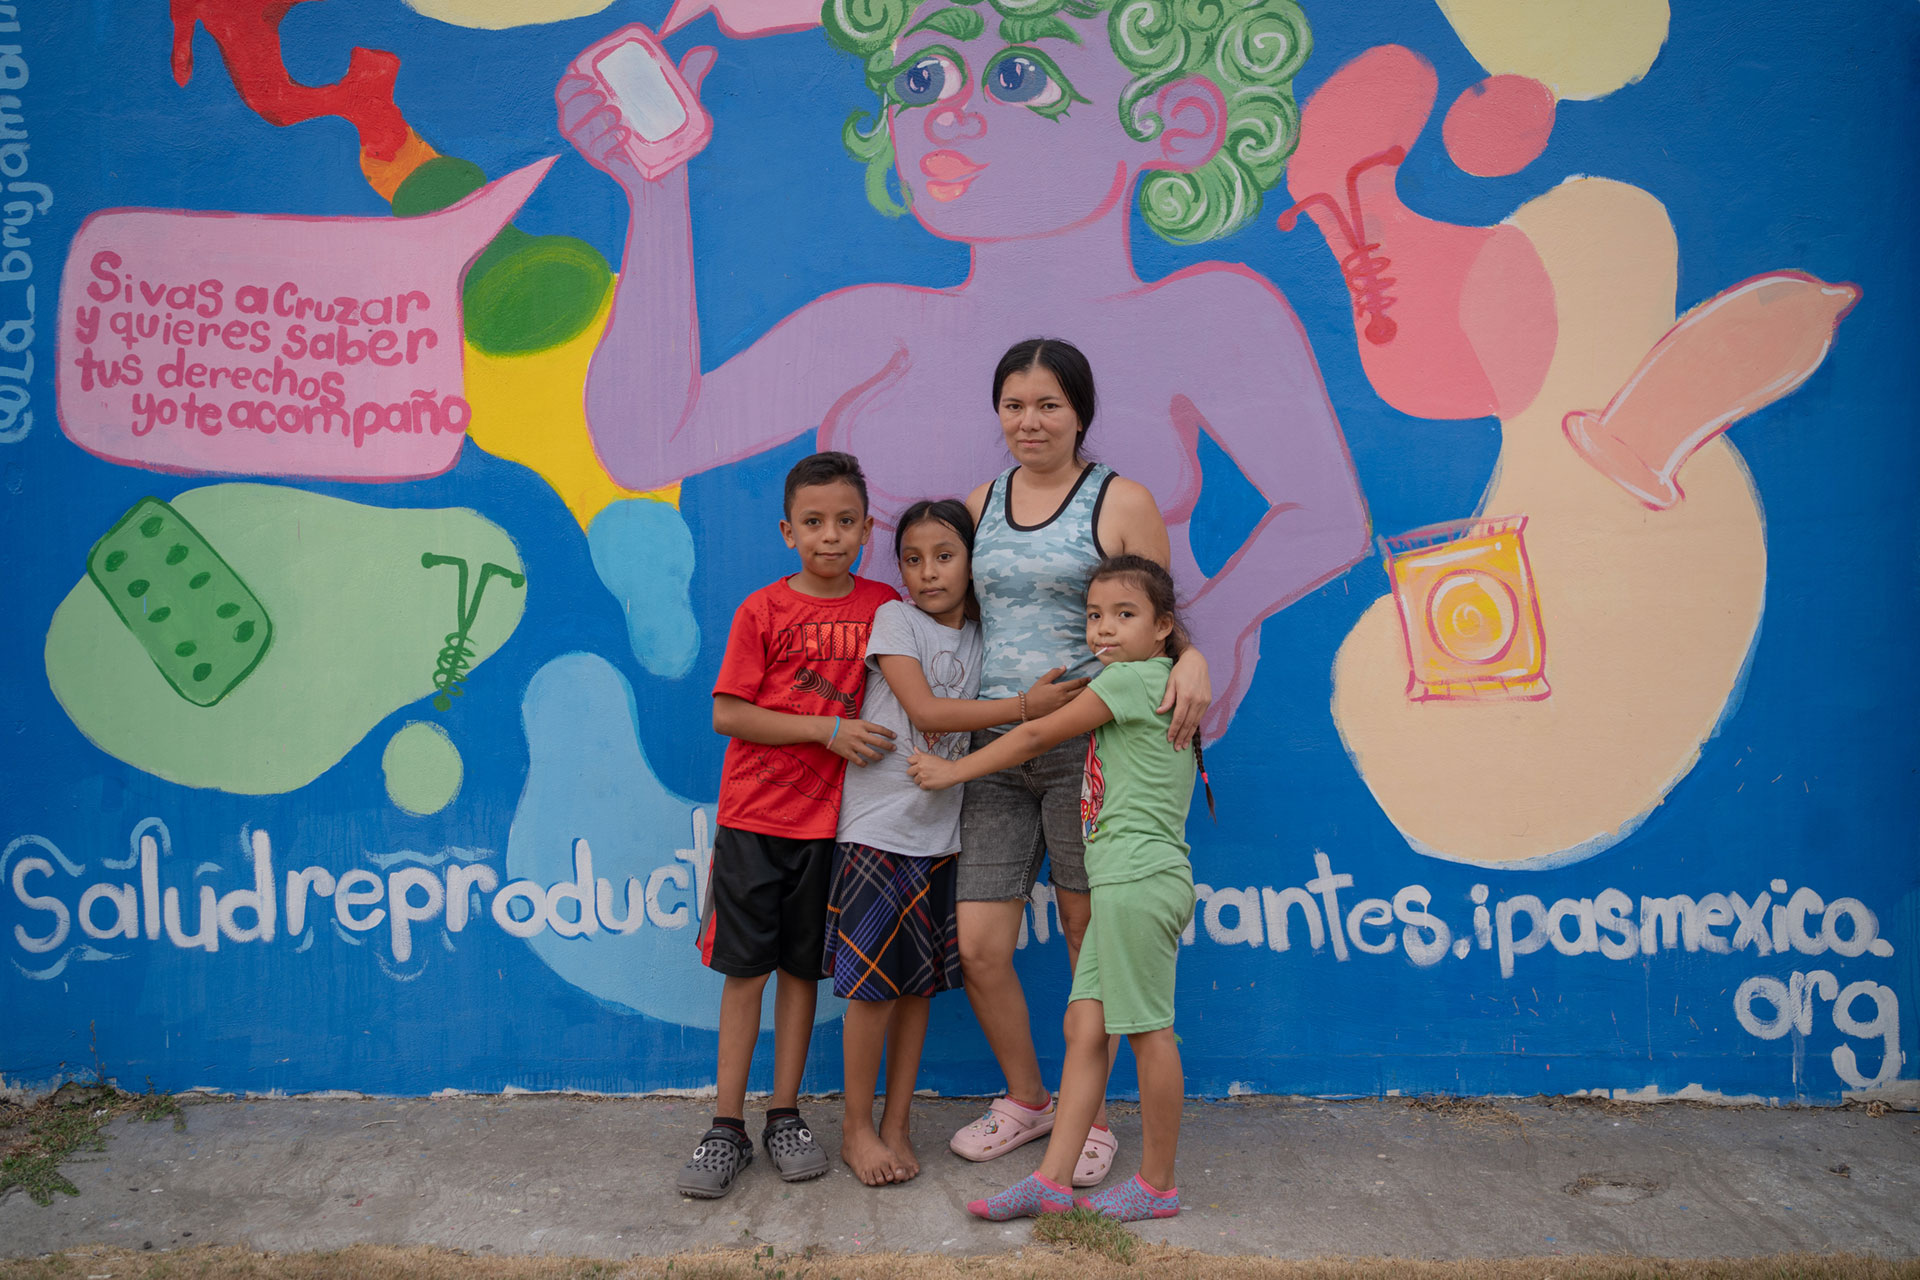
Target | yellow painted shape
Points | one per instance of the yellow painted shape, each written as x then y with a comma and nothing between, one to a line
498,15
1648,616
1467,607
531,409
1578,48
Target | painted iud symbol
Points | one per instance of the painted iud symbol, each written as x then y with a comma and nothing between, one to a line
456,656
1363,266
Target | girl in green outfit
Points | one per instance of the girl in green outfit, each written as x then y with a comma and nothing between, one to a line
1134,800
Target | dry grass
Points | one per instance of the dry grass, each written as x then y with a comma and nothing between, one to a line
1470,1113
1616,1107
1088,1232
1150,1262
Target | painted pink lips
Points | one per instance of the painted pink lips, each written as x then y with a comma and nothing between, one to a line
949,174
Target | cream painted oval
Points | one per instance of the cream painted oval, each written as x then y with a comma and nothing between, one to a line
498,15
1648,615
1578,48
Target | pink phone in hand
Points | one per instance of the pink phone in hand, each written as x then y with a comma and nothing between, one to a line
665,122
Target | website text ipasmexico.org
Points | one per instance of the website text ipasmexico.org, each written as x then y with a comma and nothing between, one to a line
63,903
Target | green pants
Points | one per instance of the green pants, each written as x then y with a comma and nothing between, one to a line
1132,945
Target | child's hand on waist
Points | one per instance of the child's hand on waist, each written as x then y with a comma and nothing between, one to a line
1050,693
858,742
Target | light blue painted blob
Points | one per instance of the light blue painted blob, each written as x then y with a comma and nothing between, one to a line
588,781
644,554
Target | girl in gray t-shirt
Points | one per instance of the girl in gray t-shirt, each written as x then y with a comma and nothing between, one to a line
892,942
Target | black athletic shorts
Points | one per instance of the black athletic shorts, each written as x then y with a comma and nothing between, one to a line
766,905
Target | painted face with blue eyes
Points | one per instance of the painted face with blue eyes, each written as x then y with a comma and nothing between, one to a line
1016,77
1026,78
1006,129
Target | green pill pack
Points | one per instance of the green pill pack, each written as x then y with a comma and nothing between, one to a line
196,619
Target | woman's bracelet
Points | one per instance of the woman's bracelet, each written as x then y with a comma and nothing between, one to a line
1023,706
836,731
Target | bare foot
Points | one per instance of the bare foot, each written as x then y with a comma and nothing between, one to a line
906,1163
871,1160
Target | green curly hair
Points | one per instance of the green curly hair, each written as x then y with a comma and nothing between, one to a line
1249,49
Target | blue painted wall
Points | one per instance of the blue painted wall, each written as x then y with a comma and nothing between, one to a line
1775,136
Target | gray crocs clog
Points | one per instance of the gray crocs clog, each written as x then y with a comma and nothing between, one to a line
716,1162
796,1156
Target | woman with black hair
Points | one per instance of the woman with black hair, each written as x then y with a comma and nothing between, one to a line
1042,526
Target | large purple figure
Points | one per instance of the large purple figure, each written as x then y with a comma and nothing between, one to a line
1021,134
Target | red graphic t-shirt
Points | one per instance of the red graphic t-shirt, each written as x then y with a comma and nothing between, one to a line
804,656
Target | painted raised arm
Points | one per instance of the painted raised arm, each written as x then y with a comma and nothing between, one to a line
654,416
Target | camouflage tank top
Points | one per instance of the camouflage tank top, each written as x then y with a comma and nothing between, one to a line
1032,583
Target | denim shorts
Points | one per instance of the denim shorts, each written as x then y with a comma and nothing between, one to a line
1011,820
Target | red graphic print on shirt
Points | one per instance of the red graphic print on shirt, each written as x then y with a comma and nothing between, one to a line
811,681
1093,792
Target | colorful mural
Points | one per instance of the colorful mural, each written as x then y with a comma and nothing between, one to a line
387,443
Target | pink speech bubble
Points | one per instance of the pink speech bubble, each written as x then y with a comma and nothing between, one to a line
743,18
274,345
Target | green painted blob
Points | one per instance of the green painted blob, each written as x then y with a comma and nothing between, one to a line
423,768
523,293
357,627
441,181
535,297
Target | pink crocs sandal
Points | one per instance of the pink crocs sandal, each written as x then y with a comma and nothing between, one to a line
1006,1125
1096,1158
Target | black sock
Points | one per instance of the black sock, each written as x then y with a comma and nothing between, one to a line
735,1123
775,1113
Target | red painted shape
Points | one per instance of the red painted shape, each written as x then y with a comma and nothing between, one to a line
1363,266
248,33
1473,327
1499,126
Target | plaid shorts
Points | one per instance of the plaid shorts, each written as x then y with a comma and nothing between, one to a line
890,924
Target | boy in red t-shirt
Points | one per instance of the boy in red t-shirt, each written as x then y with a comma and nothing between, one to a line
789,696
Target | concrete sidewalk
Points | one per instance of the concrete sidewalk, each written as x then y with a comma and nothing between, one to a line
1292,1178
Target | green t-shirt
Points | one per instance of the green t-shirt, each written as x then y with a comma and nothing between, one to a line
1136,788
